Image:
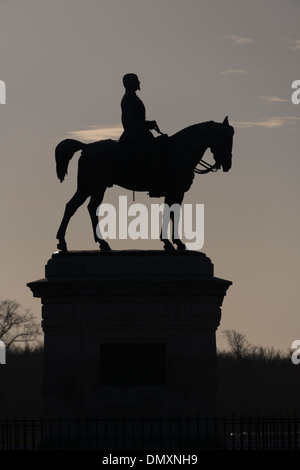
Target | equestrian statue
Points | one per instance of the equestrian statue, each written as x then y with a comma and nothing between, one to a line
163,166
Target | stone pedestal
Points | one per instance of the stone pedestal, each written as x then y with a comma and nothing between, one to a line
129,332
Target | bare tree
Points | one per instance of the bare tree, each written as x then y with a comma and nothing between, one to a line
239,345
241,348
17,326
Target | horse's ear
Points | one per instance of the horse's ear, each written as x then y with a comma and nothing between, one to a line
225,122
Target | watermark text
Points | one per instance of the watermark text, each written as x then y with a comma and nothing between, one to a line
136,221
2,352
296,94
296,354
2,92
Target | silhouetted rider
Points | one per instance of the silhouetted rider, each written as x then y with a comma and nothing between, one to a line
133,111
137,129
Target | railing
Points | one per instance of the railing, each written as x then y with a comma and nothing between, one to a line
177,434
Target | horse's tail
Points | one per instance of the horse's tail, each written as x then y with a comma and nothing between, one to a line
63,154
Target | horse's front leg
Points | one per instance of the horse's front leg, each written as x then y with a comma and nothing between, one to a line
171,214
164,236
167,244
175,201
175,236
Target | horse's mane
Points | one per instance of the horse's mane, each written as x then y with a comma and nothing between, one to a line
190,130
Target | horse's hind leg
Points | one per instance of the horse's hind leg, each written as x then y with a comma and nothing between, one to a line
71,207
93,205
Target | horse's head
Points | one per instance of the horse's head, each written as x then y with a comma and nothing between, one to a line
221,145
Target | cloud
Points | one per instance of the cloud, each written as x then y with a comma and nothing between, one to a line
97,133
268,123
234,72
272,99
294,44
240,40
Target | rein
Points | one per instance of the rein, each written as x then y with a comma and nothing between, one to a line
208,167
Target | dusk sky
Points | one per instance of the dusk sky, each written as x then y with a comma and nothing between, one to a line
198,60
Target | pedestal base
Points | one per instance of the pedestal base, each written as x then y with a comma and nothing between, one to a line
130,332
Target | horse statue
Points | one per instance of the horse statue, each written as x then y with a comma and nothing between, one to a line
105,163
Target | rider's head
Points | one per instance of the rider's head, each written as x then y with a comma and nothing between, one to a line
131,82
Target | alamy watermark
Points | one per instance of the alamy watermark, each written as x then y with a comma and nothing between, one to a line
296,94
2,92
136,221
296,354
2,352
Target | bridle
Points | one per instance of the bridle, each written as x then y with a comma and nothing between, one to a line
208,168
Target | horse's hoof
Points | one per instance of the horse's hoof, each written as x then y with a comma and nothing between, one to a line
181,248
104,247
62,246
169,247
